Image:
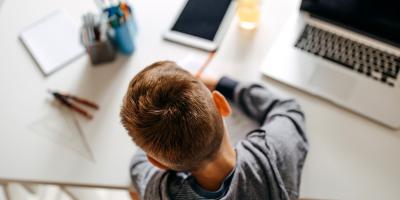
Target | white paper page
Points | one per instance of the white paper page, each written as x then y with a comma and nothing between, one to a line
193,63
239,125
53,41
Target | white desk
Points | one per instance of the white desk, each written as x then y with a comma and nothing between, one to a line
27,156
350,157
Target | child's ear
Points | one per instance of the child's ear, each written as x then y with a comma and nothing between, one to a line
222,104
156,163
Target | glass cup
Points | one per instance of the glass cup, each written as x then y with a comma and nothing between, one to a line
249,13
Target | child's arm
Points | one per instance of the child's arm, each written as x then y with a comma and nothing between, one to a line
282,122
262,105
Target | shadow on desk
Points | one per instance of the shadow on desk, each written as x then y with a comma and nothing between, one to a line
96,81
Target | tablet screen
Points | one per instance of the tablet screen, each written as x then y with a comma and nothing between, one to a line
202,18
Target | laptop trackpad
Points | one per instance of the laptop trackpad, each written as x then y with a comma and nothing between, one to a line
333,83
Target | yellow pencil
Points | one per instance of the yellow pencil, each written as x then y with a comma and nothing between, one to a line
205,64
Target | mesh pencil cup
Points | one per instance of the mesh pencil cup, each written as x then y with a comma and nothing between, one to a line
93,36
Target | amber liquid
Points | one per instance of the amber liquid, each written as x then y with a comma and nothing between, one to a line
249,13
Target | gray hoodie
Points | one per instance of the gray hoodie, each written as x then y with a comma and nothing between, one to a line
269,160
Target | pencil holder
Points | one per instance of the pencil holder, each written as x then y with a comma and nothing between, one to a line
124,36
98,51
101,52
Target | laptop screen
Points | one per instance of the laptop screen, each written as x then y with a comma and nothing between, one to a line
376,18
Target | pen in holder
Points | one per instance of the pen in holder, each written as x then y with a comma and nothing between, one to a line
94,38
123,32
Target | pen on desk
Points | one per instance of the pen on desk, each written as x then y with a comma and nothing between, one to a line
80,100
64,100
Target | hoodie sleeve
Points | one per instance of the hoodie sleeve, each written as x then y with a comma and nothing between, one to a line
281,124
141,172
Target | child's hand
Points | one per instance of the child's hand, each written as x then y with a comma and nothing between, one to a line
209,81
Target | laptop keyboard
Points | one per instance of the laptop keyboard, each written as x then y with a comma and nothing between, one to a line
371,62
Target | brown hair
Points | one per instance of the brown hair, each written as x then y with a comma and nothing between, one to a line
171,115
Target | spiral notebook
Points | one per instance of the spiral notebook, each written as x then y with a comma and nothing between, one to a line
53,41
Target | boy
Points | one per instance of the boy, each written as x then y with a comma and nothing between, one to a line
177,121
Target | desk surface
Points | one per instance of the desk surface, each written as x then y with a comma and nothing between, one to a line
350,157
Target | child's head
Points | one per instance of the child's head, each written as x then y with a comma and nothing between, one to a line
172,116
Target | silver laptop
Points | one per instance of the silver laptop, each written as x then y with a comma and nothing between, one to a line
344,51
